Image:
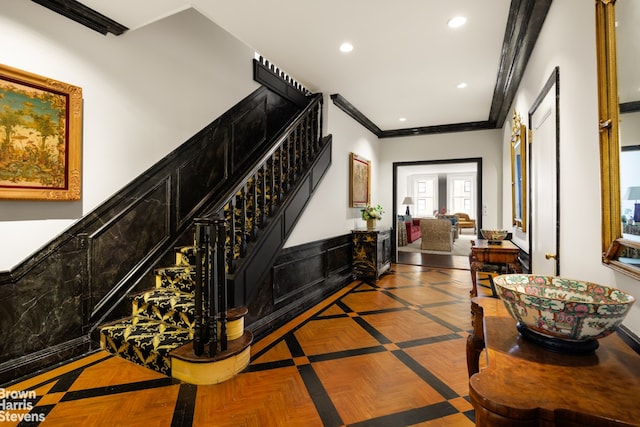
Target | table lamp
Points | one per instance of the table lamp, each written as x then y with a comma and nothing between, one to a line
633,193
409,201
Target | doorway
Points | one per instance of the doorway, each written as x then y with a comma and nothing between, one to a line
455,184
544,143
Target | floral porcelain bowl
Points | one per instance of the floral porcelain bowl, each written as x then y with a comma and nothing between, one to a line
494,235
560,308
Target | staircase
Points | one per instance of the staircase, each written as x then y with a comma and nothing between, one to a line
159,332
167,331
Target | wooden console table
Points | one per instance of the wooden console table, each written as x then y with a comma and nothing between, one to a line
522,384
505,253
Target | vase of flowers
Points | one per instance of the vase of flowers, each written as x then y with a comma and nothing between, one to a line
372,214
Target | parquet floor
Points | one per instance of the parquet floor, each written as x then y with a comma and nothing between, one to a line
389,353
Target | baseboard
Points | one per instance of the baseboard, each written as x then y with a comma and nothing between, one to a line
32,364
267,324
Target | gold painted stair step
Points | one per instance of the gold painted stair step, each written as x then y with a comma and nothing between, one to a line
201,370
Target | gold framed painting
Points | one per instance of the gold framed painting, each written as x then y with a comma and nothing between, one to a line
40,137
360,181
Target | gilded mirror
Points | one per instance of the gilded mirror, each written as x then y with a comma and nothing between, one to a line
518,173
620,244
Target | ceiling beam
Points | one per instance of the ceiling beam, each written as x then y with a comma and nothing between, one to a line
523,28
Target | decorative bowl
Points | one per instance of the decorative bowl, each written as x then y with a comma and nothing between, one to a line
494,235
561,308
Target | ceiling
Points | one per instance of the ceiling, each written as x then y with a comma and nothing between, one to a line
406,62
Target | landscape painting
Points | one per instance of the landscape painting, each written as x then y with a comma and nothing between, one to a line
40,137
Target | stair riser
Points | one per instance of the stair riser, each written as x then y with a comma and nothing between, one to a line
177,278
179,314
213,372
154,360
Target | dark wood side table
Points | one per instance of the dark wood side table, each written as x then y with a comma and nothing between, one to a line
522,384
371,252
482,252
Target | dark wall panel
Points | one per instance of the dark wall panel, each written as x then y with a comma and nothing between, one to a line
46,307
203,173
141,227
291,278
248,132
300,277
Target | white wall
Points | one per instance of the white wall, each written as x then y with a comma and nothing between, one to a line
145,93
328,213
485,144
580,213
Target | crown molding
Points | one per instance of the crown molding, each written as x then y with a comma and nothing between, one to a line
84,15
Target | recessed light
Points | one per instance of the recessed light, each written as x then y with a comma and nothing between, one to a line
403,119
346,47
461,85
457,21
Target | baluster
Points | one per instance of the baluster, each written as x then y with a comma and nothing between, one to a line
318,115
260,188
220,284
197,333
296,153
280,172
270,190
304,161
308,143
314,127
301,137
230,240
218,238
291,158
251,202
286,175
240,213
203,278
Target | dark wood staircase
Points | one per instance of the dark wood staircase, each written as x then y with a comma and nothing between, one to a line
166,331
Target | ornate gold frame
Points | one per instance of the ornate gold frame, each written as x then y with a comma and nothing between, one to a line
518,173
359,181
40,151
608,113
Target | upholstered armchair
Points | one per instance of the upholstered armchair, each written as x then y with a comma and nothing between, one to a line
437,234
465,222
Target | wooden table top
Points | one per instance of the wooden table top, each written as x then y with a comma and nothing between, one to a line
524,381
484,244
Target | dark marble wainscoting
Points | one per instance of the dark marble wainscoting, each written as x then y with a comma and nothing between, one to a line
300,277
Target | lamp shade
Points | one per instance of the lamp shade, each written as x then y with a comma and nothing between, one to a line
409,200
632,193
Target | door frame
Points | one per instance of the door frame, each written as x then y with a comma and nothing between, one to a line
554,79
396,165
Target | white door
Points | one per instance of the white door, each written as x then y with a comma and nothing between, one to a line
544,225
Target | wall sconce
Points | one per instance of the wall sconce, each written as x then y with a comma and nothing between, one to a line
633,193
409,201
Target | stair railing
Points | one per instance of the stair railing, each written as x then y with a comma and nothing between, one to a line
211,290
222,236
267,183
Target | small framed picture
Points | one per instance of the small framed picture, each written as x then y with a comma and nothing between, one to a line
360,177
